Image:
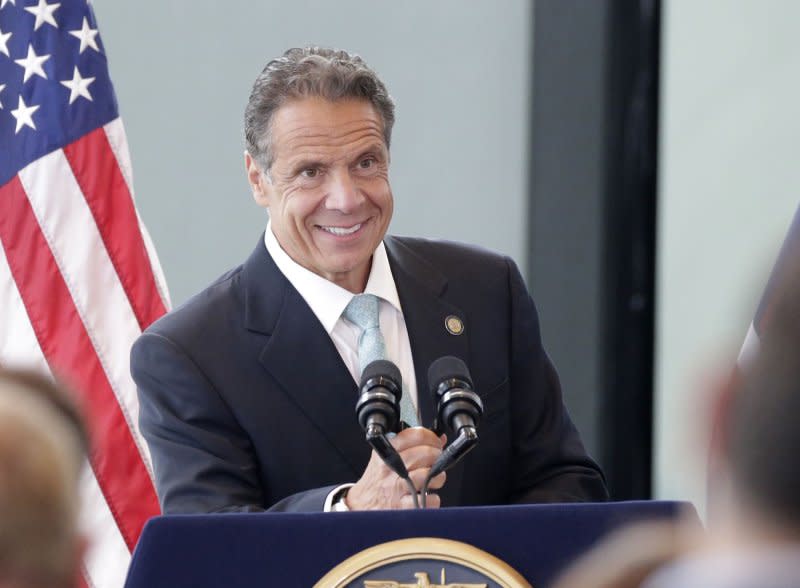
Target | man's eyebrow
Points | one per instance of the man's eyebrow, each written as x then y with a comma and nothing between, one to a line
304,162
373,149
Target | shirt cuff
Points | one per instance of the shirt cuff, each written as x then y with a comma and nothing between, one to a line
335,500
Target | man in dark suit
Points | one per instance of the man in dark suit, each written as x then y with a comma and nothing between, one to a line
247,391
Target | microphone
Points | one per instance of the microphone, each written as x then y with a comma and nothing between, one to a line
378,412
379,397
459,408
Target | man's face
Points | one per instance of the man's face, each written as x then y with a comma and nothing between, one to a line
328,190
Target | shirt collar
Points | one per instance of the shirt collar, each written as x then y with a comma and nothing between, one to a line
327,300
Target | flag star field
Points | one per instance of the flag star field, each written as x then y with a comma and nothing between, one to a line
54,82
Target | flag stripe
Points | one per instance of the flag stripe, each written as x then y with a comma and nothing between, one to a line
22,350
115,131
106,192
66,345
77,245
108,557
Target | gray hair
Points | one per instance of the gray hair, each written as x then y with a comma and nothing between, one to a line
310,72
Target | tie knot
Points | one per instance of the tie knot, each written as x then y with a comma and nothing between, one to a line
363,311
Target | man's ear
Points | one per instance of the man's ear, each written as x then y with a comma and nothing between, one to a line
257,179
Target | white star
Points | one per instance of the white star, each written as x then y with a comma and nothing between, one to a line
86,34
4,2
24,115
78,86
44,13
2,87
32,64
4,37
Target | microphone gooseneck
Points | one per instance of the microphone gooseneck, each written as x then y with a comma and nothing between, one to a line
459,409
378,412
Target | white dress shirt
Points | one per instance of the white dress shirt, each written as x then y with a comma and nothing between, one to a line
328,301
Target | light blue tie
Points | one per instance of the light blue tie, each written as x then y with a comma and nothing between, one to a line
363,312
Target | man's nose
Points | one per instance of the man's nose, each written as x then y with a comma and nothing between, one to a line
343,193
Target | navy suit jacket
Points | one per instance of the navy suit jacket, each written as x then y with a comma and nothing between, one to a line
246,404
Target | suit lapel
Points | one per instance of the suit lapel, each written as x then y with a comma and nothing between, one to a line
302,358
421,288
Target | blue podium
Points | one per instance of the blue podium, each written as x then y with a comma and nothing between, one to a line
265,549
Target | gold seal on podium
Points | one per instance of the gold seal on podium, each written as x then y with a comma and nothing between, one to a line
411,563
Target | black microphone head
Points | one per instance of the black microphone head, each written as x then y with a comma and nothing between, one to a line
382,368
379,395
457,404
447,368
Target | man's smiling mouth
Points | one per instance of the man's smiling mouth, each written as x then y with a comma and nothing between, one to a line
341,231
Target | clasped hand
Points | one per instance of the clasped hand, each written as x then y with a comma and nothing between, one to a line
380,488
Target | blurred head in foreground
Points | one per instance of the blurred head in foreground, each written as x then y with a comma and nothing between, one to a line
42,449
754,487
760,425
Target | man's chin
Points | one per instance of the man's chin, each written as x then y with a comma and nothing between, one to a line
351,275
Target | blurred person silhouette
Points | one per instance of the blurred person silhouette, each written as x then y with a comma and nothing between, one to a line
43,444
753,540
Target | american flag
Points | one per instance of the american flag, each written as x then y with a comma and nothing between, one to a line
79,277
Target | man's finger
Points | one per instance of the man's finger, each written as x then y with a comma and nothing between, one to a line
422,456
438,481
416,436
418,479
407,501
432,501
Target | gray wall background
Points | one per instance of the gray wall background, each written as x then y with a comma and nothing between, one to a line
183,70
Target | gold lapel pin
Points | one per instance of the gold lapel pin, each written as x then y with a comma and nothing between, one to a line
454,325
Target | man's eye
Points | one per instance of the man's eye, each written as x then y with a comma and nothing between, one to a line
366,163
310,172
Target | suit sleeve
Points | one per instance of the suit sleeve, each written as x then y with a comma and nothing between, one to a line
202,460
550,463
